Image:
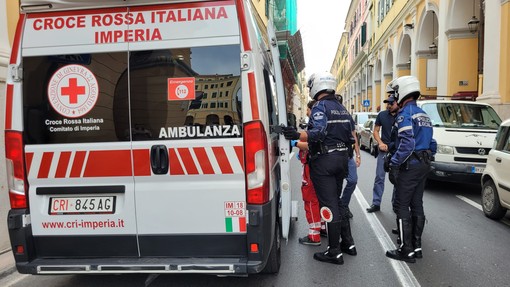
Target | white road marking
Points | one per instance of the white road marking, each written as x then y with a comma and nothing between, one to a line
479,206
402,270
470,202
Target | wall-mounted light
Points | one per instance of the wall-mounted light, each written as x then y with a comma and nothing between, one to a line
473,22
409,26
433,46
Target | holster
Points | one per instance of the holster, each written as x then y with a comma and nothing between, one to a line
387,159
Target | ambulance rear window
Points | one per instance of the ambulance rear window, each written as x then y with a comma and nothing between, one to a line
139,95
186,93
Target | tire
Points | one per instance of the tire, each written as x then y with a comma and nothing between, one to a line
490,201
275,256
372,148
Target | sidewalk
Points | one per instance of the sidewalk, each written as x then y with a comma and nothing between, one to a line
6,263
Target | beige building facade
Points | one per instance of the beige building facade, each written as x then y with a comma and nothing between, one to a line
429,39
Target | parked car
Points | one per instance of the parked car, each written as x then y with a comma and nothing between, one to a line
366,137
495,179
360,118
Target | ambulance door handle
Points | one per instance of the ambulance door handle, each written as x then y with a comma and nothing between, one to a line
159,159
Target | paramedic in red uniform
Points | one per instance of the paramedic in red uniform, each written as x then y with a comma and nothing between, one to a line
329,136
310,200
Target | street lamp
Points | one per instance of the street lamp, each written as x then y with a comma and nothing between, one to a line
473,22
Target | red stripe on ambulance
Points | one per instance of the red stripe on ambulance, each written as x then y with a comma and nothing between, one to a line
223,162
142,162
63,164
44,170
79,158
175,164
108,163
239,153
118,163
8,106
187,160
203,160
17,40
254,103
244,27
28,160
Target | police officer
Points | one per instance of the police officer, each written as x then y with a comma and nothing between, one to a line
329,137
409,167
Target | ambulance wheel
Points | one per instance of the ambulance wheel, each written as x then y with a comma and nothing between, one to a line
275,256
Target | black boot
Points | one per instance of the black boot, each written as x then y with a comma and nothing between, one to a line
333,254
418,225
397,232
405,252
347,244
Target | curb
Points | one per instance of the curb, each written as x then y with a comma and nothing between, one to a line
7,265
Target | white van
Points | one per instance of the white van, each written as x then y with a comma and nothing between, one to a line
139,139
465,132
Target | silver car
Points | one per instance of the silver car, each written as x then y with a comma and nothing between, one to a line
366,137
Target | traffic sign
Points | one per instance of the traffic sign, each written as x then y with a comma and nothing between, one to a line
366,103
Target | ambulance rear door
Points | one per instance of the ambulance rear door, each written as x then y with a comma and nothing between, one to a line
75,117
186,122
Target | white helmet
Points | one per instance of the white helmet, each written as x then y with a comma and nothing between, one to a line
405,87
389,89
320,82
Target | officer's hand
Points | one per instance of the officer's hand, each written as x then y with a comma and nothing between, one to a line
290,133
393,174
294,143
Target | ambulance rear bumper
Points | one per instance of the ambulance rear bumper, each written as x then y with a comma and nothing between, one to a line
219,266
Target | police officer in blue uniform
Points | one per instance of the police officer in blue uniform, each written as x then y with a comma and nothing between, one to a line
330,139
409,167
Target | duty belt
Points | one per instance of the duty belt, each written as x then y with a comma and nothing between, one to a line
331,148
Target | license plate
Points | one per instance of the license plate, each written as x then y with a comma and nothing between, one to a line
477,169
82,205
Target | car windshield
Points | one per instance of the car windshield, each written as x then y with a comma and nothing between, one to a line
363,117
462,115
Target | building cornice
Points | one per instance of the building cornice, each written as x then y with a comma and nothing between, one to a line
460,33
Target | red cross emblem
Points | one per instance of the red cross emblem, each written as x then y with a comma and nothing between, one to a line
73,90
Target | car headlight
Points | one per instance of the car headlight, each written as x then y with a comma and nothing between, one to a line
444,149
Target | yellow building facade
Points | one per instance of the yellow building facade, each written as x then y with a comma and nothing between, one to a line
429,39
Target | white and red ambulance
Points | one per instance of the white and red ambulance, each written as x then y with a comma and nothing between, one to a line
140,138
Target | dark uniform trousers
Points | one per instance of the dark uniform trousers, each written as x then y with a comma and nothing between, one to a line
409,188
328,172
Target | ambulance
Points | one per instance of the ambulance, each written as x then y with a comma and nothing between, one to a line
142,137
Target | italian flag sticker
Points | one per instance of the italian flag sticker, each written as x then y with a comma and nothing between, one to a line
235,224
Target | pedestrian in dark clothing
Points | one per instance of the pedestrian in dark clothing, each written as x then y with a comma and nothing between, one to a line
383,126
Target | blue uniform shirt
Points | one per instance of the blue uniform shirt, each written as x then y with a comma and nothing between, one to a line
414,133
330,123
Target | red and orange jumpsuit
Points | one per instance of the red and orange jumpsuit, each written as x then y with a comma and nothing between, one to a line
310,201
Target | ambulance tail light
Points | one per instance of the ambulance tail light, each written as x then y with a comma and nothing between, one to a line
15,169
257,165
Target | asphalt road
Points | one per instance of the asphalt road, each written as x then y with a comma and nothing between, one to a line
461,248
